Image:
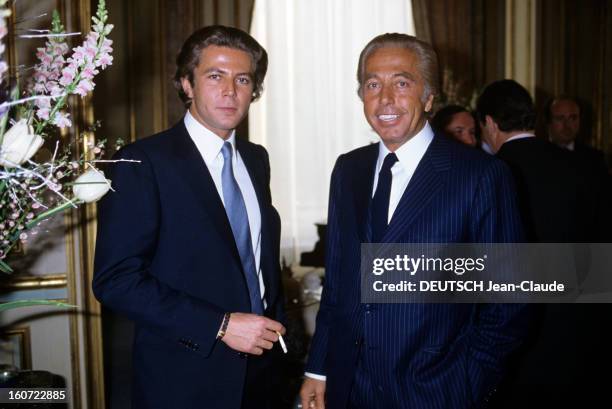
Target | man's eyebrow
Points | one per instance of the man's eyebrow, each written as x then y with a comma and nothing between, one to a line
222,71
405,74
215,69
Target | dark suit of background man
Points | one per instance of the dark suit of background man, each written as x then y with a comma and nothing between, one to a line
567,348
413,187
564,122
188,243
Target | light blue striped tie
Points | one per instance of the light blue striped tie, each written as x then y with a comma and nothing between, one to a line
239,220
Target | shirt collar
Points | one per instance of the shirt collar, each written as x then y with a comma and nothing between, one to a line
411,151
520,136
208,143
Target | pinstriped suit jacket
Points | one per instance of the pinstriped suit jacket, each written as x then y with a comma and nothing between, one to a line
419,355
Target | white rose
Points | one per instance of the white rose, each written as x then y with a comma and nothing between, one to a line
19,144
91,186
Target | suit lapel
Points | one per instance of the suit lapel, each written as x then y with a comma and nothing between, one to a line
195,173
363,181
428,178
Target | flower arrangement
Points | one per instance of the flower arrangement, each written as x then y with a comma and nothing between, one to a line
32,190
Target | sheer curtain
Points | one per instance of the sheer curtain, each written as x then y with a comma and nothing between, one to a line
310,112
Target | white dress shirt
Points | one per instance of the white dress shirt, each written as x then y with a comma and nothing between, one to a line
409,155
209,145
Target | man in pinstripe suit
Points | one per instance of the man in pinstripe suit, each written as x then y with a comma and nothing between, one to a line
413,187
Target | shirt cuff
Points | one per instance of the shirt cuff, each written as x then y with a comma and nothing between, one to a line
315,376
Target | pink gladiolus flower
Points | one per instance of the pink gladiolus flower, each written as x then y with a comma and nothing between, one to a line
105,60
39,88
43,113
106,46
90,52
62,68
68,75
59,49
78,54
61,120
89,71
43,103
84,87
40,76
55,90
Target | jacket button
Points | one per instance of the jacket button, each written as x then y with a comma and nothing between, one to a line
242,355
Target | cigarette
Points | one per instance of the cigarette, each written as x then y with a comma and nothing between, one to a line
282,342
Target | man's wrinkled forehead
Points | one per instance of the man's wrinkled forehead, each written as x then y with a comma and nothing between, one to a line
400,60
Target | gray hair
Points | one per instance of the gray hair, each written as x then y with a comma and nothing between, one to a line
427,59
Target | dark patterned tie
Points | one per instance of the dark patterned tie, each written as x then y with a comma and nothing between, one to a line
380,202
239,220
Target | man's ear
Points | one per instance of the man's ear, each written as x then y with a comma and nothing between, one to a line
429,102
187,89
491,124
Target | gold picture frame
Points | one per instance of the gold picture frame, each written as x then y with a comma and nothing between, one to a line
15,347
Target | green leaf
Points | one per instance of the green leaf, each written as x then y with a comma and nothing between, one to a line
28,303
45,215
5,268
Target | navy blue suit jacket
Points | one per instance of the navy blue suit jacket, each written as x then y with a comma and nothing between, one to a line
420,355
167,259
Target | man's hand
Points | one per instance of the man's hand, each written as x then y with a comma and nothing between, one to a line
313,394
251,333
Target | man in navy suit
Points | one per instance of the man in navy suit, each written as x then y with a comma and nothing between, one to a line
188,244
413,187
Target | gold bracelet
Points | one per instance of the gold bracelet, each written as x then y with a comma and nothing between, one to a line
224,324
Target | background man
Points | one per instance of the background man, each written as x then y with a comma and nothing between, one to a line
563,121
188,244
563,118
547,180
567,345
411,188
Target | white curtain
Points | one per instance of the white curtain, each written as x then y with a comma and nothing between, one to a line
310,112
